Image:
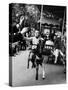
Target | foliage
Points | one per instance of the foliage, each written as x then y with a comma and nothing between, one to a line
30,13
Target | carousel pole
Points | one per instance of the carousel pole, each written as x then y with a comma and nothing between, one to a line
40,23
63,24
41,16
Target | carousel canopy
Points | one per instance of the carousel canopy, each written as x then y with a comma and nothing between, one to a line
49,21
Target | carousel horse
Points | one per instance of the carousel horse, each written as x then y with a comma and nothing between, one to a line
58,49
56,53
36,59
48,47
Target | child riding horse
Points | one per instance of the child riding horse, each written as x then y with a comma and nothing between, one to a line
34,53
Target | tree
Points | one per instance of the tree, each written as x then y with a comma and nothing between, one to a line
17,11
33,14
30,13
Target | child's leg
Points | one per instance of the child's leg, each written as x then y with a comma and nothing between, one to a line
29,58
56,53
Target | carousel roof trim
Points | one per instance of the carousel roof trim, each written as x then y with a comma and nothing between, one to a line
48,21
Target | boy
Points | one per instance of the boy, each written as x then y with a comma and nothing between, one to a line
35,48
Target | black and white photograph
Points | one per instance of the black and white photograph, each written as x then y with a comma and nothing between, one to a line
37,44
